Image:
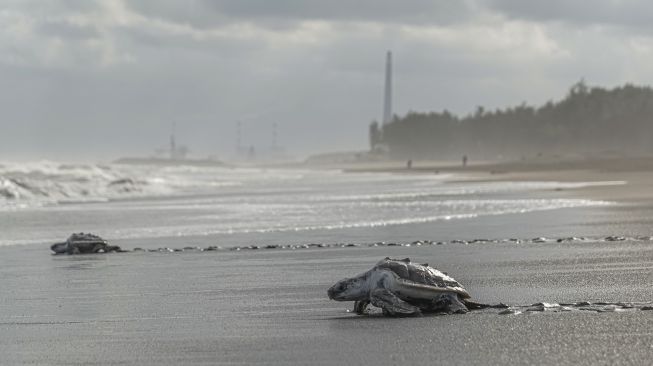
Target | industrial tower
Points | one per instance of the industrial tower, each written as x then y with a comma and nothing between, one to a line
387,97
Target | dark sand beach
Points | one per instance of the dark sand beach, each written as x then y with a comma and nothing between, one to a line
270,307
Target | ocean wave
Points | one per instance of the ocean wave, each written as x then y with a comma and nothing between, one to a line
46,183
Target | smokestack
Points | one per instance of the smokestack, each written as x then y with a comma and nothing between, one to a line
387,97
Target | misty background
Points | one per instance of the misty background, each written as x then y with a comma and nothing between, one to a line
84,80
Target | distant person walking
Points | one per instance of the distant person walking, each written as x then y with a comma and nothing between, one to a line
464,161
409,164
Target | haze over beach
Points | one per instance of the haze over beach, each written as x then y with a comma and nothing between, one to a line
118,74
223,163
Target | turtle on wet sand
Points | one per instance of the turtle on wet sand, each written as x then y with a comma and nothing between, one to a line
400,287
84,243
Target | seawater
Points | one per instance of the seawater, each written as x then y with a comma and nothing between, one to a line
46,201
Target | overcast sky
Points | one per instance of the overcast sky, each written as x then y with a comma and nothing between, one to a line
99,79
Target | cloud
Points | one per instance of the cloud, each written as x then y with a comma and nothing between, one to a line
285,13
67,30
125,70
626,13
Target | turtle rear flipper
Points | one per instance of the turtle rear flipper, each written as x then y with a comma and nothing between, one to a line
391,304
473,305
449,303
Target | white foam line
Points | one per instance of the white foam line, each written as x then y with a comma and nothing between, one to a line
177,232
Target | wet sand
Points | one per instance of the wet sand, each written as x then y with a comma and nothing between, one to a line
270,307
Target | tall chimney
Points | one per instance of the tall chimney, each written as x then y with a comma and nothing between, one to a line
387,97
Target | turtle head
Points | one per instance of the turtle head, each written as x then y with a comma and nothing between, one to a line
59,248
349,289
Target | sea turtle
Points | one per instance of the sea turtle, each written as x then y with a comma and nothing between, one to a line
400,287
83,243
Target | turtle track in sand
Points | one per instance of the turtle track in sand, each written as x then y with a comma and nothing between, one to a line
538,240
543,307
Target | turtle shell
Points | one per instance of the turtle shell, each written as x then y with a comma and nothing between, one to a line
84,238
422,274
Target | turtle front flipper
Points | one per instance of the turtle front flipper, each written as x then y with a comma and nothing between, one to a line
391,304
360,306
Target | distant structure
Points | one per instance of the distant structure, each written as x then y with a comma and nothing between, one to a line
245,151
239,137
277,152
171,155
377,144
240,150
176,152
387,97
173,144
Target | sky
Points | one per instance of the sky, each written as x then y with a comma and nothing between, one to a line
84,79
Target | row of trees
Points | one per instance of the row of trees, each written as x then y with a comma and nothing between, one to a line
587,121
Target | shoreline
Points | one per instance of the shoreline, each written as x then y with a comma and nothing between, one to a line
627,185
636,172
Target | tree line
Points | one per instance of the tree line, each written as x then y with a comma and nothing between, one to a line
588,121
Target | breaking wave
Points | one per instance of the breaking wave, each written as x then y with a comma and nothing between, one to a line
46,183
